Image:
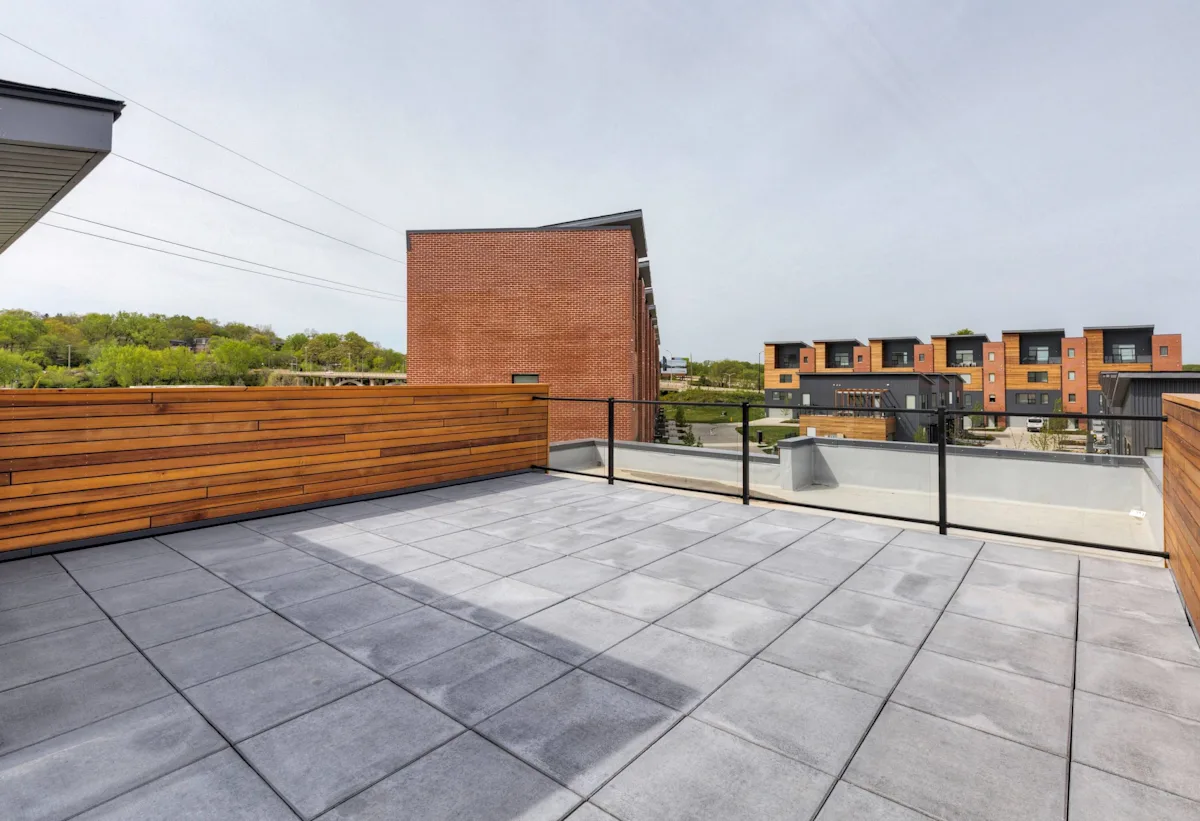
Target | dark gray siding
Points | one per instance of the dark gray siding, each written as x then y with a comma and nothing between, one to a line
1144,398
972,348
901,350
1139,338
972,400
1053,341
1018,413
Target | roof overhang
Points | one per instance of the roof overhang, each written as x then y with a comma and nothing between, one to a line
1149,328
838,342
984,337
793,342
49,141
915,340
1059,331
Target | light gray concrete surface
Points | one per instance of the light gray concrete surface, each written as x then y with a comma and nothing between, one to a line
760,664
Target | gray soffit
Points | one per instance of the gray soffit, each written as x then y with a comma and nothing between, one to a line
49,141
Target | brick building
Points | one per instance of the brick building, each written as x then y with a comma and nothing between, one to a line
570,305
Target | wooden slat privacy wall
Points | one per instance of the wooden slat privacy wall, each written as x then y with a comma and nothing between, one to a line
1181,495
85,463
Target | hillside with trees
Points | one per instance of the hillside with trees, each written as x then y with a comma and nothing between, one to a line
127,349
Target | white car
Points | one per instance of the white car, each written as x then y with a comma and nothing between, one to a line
1034,424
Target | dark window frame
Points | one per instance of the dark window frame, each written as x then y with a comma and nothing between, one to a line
519,379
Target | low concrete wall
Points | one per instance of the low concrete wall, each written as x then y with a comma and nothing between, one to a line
1152,500
674,460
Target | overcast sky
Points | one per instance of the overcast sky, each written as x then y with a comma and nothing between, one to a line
806,169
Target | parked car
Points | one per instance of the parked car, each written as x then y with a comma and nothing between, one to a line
1098,426
1034,424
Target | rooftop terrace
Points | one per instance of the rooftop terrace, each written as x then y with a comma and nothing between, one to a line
534,647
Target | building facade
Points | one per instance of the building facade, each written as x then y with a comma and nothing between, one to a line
1140,394
1025,373
570,305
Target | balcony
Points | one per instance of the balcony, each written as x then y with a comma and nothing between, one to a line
431,647
1041,360
1127,359
969,363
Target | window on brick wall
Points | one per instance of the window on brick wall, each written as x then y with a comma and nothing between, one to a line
1163,350
991,377
920,357
1070,374
806,359
785,377
1070,397
991,397
524,378
991,356
860,357
1070,353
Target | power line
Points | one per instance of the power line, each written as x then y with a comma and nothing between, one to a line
218,264
196,133
252,207
225,256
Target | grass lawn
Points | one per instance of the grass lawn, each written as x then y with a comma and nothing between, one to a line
772,433
714,415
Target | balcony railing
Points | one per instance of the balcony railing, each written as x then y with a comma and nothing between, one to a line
942,425
969,363
1041,360
1127,359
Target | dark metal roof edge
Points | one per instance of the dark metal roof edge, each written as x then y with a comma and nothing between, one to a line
916,339
790,342
984,337
834,341
1062,331
1118,327
57,96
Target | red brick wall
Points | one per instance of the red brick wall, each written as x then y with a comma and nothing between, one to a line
862,352
993,365
567,305
1078,365
1173,361
926,365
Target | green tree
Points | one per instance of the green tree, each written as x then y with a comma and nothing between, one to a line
964,332
236,358
127,366
14,368
19,329
177,366
921,434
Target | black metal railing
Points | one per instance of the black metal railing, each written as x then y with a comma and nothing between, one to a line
941,416
1040,360
1127,359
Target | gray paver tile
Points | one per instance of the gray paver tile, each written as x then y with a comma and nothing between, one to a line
51,654
915,588
849,803
286,523
729,548
580,729
666,535
1023,580
671,668
831,544
573,630
498,603
952,545
737,510
111,553
590,812
508,559
434,789
75,771
730,623
692,571
1036,557
37,590
1143,745
1027,652
204,656
812,565
264,565
517,529
775,591
47,617
353,512
813,721
677,501
867,532
1131,599
842,656
21,570
349,610
168,622
1168,640
697,771
625,553
438,580
405,640
249,701
334,542
379,565
1151,682
913,560
1127,573
763,532
210,545
482,677
704,521
474,517
884,618
568,575
420,530
303,585
1015,609
796,521
951,771
458,544
37,711
221,785
566,540
149,567
321,758
126,598
1101,796
1012,706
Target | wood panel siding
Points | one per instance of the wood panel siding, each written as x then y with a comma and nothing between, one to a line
1181,495
852,427
76,464
877,355
770,372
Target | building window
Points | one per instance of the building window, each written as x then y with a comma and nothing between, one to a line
1124,353
806,359
524,378
789,361
991,397
966,378
1038,376
841,360
779,396
860,357
991,377
1024,398
785,377
910,402
1070,353
805,399
1070,375
991,356
966,358
1163,350
1038,353
1070,397
1045,399
920,357
968,402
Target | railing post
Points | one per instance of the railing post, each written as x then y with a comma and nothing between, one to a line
745,453
612,426
941,417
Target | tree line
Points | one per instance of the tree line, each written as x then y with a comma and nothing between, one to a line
127,349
